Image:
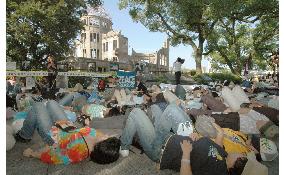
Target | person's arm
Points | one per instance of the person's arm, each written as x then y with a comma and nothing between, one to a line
185,168
36,154
220,135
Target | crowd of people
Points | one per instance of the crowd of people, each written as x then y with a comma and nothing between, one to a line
220,128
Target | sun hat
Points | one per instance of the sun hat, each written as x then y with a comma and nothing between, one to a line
268,149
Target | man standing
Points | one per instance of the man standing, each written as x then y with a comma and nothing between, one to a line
51,68
177,69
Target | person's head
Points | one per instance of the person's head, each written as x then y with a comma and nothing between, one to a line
113,111
226,83
236,163
106,151
178,59
50,59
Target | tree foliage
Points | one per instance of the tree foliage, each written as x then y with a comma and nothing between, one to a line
36,28
185,22
229,31
246,32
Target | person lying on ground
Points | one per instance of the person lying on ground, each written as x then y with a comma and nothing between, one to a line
65,143
236,141
153,137
203,156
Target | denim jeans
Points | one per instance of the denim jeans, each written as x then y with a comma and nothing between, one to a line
42,118
67,100
152,138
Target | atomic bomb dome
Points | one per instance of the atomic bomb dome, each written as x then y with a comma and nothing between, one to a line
98,11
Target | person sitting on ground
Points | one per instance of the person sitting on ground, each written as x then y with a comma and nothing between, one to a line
65,143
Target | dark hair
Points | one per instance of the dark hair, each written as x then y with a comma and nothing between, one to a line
238,166
180,60
226,83
160,98
196,88
214,94
106,151
114,111
111,103
245,105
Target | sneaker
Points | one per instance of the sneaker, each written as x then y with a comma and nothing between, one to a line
21,139
123,153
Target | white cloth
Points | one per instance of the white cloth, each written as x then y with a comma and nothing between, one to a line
230,99
248,122
169,96
10,140
240,94
274,102
177,66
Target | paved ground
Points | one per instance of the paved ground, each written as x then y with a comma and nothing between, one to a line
134,164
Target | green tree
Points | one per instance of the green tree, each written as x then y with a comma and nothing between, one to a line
248,31
186,22
36,28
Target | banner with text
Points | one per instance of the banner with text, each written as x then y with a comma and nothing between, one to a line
126,79
43,73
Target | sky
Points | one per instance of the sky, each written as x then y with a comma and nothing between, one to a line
142,40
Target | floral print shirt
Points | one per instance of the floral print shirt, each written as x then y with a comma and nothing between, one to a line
69,147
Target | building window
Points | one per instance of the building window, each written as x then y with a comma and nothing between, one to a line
114,44
84,52
98,54
93,37
84,21
114,59
106,46
83,37
93,53
98,37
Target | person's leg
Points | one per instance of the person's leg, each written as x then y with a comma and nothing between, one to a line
179,75
55,111
39,118
123,95
66,100
176,77
156,113
170,119
139,123
117,96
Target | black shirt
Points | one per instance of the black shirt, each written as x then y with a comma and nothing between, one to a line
142,87
208,158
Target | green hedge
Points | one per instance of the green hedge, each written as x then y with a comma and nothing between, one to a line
84,81
201,78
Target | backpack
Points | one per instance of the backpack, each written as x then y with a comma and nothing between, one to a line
101,85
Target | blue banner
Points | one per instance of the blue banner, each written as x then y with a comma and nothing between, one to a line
126,79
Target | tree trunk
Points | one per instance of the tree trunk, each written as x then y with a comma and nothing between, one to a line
198,58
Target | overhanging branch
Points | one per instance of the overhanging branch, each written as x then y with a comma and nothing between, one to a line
179,35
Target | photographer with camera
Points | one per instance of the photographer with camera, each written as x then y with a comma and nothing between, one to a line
177,69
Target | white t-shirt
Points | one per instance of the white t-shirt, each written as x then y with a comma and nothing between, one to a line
177,66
